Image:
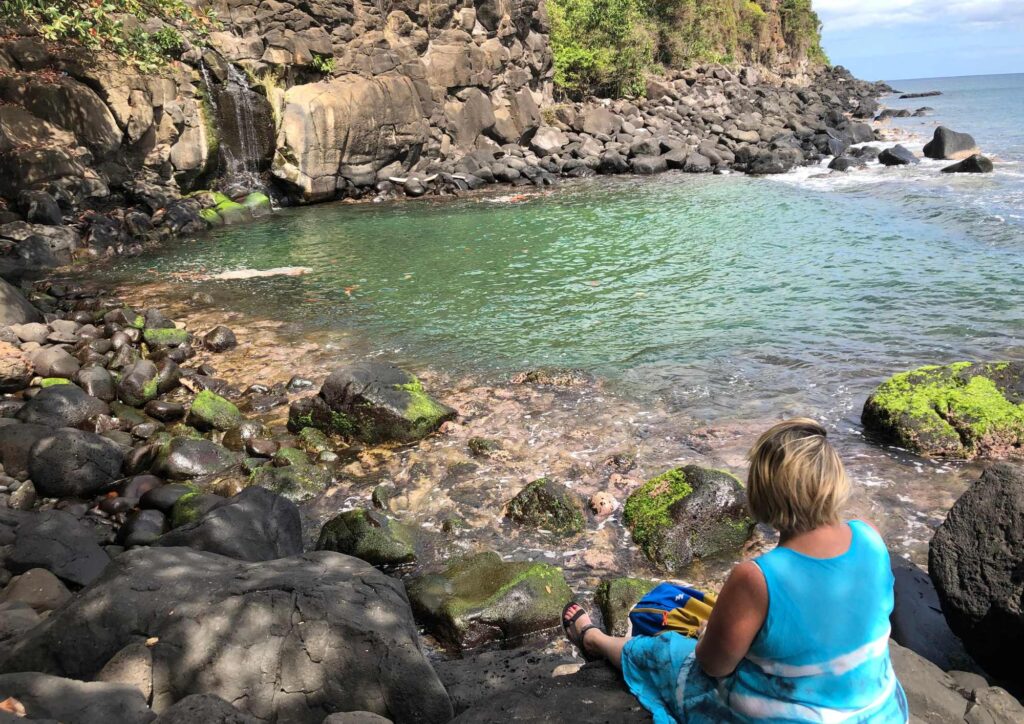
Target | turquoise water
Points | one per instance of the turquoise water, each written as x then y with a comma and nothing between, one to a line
727,296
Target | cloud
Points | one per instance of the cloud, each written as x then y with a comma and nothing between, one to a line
839,15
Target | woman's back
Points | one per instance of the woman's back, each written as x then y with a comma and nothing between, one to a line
822,653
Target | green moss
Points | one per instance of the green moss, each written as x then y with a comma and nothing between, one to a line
548,505
291,456
423,411
211,217
54,381
647,510
151,388
233,212
258,203
164,337
182,430
295,482
370,536
482,447
313,441
341,424
211,411
185,509
616,599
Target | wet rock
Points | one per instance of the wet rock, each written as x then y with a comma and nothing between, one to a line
73,463
974,558
355,717
297,482
54,362
62,406
164,497
237,437
897,156
15,369
220,339
192,506
142,528
16,443
255,525
210,411
54,698
182,458
98,383
963,410
370,536
138,384
647,165
165,411
972,164
165,337
373,402
602,504
688,513
57,541
14,308
845,163
37,588
481,447
616,599
205,708
481,598
209,615
948,144
548,505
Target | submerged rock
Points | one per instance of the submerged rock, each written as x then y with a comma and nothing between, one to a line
688,513
950,145
481,598
370,536
963,410
975,559
548,505
616,599
972,164
297,482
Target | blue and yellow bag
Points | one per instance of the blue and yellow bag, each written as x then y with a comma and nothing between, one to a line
671,607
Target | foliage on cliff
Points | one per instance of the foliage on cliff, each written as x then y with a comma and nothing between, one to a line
605,47
144,32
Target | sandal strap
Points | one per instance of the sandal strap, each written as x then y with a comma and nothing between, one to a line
583,634
567,622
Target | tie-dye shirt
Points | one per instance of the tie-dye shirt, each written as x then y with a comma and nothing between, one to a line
822,654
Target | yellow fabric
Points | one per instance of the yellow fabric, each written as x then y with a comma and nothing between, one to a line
686,619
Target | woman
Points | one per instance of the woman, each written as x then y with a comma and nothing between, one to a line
799,634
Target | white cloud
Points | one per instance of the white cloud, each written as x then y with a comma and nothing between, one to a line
859,14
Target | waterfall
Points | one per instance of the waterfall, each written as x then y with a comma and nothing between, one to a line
243,162
204,70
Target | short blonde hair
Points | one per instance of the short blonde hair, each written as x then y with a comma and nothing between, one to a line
796,481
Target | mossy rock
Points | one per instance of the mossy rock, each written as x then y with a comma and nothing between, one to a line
180,429
372,402
616,599
481,599
211,217
191,506
370,536
314,441
482,447
688,513
295,482
232,212
962,410
548,505
54,381
165,336
291,456
210,411
258,204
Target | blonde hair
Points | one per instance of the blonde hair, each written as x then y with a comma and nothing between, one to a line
796,481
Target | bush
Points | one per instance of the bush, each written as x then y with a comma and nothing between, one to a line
323,63
113,25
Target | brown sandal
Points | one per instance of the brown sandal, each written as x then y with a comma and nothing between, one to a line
576,639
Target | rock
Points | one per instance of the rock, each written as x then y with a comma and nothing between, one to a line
139,383
53,698
548,140
948,144
481,677
15,369
547,505
192,506
215,621
972,164
14,308
98,383
596,120
38,588
930,692
481,598
210,411
73,463
220,339
57,541
164,497
925,94
255,525
897,156
181,458
688,513
62,406
963,410
204,709
697,163
646,165
16,443
297,482
616,599
164,337
993,705
15,620
373,402
974,559
356,717
54,362
142,528
369,535
845,163
602,504
39,207
131,666
165,411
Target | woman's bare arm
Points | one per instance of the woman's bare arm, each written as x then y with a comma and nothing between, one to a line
735,620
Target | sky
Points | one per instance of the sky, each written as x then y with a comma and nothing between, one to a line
899,39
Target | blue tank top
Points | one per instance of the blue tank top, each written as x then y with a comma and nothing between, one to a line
822,654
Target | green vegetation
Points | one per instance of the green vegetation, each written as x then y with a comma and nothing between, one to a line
647,510
607,47
211,411
113,25
548,505
164,337
323,64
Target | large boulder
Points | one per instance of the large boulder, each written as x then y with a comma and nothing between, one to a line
975,560
481,598
598,120
16,443
472,679
74,463
616,598
62,406
204,709
56,541
373,402
548,140
963,410
688,513
547,505
54,698
346,128
14,308
285,640
948,144
255,525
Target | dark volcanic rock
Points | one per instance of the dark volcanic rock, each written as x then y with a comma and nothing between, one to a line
948,144
204,709
57,541
14,308
370,536
483,676
16,443
220,339
53,698
548,505
98,383
73,463
62,406
331,632
897,156
972,164
975,560
138,384
142,528
255,525
182,458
